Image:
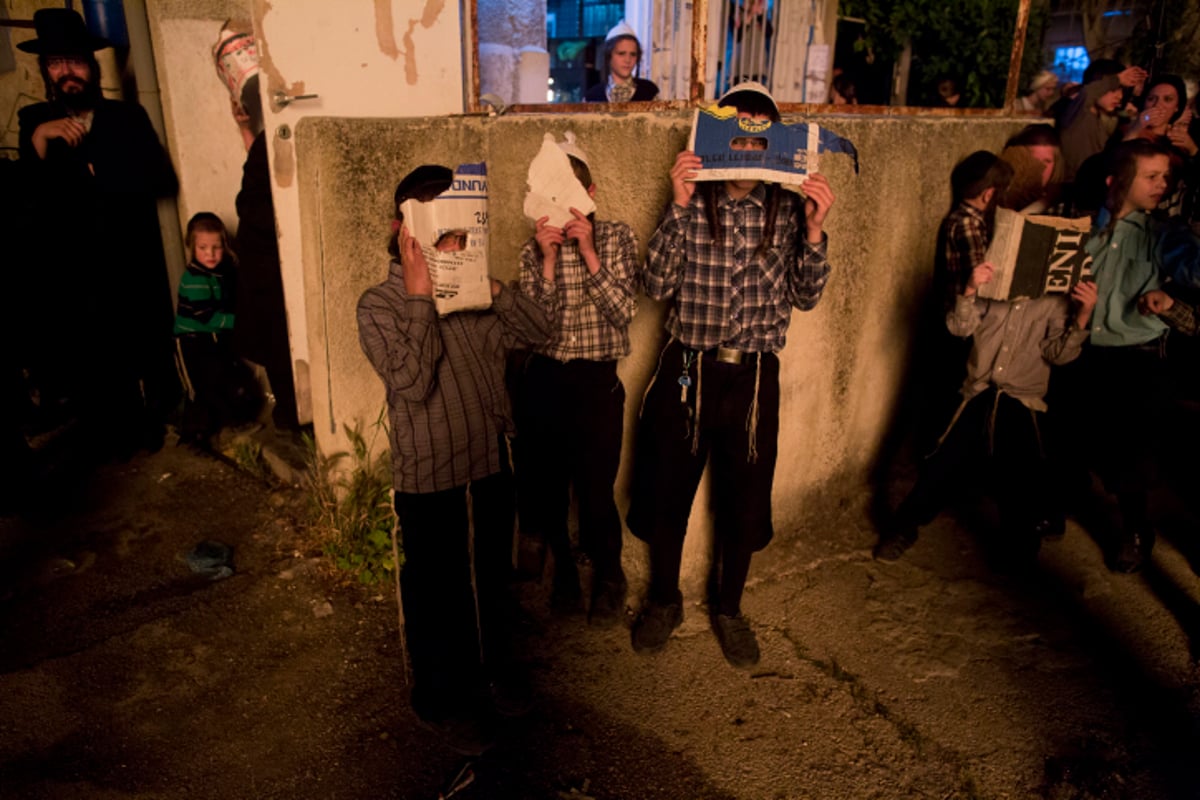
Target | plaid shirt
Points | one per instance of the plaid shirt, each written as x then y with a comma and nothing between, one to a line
594,311
1182,317
444,376
724,294
964,242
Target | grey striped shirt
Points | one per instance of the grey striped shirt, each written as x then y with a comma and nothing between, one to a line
444,376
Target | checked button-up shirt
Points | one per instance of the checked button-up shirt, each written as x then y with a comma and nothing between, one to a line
594,311
725,294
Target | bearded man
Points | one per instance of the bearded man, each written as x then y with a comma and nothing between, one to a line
94,169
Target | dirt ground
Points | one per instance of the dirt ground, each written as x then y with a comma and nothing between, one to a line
123,675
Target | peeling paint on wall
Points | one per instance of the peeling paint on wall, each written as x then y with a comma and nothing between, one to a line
284,161
385,29
433,8
275,80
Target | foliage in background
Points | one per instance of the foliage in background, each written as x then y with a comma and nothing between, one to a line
351,510
1166,38
969,40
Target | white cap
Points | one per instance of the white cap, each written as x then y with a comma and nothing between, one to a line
569,147
620,29
750,86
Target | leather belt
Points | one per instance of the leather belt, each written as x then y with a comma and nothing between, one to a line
728,355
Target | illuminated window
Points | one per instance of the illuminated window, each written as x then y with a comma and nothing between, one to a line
575,31
1070,62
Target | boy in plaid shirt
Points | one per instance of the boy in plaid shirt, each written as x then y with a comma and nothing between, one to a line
733,257
569,402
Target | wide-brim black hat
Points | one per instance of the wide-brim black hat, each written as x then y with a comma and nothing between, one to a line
60,31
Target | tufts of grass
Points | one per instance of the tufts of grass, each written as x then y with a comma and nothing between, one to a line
350,510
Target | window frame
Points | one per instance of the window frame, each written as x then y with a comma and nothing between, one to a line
699,66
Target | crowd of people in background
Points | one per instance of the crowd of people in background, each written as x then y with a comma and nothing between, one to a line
1121,151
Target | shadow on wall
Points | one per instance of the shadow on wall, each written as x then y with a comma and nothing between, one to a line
844,364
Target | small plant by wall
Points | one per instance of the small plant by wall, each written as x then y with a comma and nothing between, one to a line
350,509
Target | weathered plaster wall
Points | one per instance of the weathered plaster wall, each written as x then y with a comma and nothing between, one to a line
204,141
843,364
380,59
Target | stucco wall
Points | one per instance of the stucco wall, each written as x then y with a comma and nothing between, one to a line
843,364
204,141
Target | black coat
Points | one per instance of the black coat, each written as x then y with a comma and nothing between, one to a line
98,255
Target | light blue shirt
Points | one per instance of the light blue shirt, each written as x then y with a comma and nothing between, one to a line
1126,266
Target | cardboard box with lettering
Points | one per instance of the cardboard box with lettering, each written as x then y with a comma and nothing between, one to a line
788,154
452,230
1036,255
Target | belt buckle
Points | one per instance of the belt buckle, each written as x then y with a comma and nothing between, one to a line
728,355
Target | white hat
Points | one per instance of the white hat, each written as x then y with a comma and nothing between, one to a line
750,87
569,147
620,29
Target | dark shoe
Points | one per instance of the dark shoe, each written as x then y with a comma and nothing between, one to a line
466,735
1052,528
1133,551
893,543
738,642
654,626
608,603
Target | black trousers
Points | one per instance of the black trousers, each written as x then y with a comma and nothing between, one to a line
1117,397
224,387
667,472
570,420
454,650
995,439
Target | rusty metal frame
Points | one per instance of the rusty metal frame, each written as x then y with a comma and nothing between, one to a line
700,64
470,35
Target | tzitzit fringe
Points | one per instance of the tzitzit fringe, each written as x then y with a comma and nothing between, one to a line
752,417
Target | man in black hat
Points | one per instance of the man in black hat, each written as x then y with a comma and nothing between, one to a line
95,169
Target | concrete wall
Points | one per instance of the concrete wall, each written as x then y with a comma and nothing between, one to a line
506,29
842,368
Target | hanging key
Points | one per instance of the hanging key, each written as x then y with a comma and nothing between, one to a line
685,382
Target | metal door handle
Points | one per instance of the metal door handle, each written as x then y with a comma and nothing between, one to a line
282,99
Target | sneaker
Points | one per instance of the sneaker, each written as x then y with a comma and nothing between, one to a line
608,603
466,735
654,626
895,542
738,642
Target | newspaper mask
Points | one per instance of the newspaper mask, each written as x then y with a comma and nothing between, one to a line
452,230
